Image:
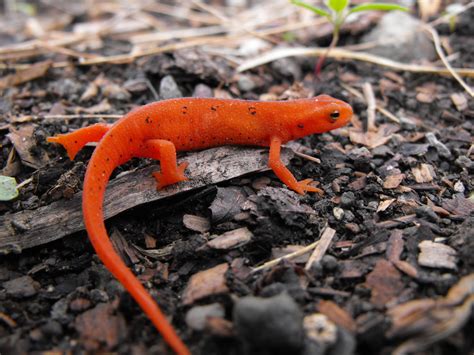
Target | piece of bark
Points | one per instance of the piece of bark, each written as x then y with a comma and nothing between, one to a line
437,255
30,228
206,283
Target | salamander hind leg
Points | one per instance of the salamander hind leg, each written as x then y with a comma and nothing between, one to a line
284,174
73,142
165,152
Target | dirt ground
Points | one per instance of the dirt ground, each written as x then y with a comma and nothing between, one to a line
395,221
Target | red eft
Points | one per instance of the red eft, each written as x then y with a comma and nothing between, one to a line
159,129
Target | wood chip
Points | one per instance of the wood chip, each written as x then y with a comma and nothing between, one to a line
321,248
437,255
383,205
423,173
232,239
393,181
385,283
206,283
196,223
338,315
30,228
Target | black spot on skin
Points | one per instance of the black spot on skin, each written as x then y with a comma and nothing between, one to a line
184,110
214,108
252,110
75,142
148,120
108,159
130,140
300,125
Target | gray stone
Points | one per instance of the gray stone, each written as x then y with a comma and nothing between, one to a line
197,317
21,287
274,324
168,88
400,38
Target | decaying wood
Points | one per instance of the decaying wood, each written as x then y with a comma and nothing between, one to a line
27,229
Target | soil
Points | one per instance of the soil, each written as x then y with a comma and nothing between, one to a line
386,201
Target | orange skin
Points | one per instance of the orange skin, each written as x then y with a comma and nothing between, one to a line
159,129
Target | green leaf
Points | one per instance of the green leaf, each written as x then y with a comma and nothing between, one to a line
315,9
8,190
338,5
377,7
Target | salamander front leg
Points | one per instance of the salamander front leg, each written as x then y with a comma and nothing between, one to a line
165,152
73,142
275,163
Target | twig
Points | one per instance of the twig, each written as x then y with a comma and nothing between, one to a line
371,106
440,52
382,110
290,256
326,238
339,53
308,157
448,15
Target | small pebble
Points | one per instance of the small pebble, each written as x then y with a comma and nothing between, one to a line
202,90
21,287
338,213
274,324
329,262
196,318
246,83
459,187
464,162
168,88
347,199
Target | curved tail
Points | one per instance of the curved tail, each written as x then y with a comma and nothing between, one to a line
105,159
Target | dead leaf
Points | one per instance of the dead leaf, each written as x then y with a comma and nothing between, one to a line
373,139
37,70
196,223
206,283
25,145
231,239
101,107
338,315
100,325
385,283
458,205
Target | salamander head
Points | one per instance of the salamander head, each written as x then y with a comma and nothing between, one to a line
321,114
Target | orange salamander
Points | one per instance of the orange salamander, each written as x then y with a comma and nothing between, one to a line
159,129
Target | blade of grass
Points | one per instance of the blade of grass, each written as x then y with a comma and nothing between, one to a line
377,7
315,9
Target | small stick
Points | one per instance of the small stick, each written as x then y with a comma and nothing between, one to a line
440,52
323,245
290,256
383,111
371,106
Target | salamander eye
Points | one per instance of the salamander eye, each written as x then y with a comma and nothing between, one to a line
334,115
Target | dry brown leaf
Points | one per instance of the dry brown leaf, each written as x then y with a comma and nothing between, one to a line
373,139
196,223
37,70
101,107
231,239
26,147
206,283
338,315
385,283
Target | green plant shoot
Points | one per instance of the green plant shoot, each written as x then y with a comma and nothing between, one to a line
337,12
